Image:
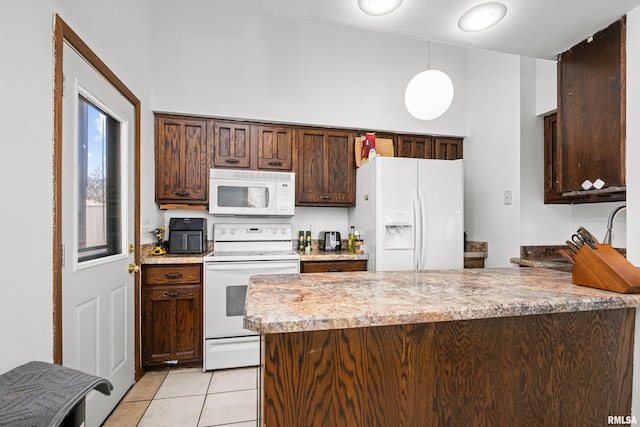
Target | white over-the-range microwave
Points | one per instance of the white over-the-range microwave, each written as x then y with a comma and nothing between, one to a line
243,192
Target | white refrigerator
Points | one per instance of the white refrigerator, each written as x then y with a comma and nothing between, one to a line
409,213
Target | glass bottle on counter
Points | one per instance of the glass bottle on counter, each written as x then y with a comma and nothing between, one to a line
301,243
357,245
352,240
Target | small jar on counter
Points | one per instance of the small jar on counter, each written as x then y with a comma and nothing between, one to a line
358,246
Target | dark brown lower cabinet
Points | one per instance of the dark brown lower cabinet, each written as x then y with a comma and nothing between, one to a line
333,266
561,369
474,263
172,314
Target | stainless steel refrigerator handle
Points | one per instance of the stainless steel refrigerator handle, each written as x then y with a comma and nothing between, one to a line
417,232
423,236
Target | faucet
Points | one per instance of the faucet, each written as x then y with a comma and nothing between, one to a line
608,237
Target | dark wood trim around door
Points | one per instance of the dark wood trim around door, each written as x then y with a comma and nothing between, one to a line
63,33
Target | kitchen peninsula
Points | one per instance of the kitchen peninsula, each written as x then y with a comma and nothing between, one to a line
461,347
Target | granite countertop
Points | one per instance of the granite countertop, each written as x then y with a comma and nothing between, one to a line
318,255
146,257
322,301
476,249
546,256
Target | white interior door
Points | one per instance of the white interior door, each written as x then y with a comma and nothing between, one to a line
98,211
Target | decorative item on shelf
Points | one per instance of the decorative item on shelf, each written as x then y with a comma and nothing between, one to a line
429,93
598,265
159,248
383,147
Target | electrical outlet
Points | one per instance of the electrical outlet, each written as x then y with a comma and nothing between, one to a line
508,197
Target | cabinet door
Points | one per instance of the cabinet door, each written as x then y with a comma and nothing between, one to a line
231,144
325,168
591,111
172,326
188,323
417,147
551,161
274,147
157,346
448,148
181,160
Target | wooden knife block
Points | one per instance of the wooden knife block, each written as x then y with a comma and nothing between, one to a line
605,268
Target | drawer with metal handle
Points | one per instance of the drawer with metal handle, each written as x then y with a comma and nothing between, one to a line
172,274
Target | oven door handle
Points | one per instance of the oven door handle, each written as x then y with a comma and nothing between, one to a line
269,265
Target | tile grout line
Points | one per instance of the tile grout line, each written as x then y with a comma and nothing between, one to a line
152,399
206,394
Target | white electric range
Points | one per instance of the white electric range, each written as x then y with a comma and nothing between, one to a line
240,251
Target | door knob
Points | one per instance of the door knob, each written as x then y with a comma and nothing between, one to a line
133,268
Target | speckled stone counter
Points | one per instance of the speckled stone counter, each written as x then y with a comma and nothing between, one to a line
147,258
318,255
498,347
546,256
291,303
476,249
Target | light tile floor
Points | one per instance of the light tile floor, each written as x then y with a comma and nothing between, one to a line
190,398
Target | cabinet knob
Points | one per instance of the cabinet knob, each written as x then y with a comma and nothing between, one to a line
325,197
181,193
232,161
173,275
275,163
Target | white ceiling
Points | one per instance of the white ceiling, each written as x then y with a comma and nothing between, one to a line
535,28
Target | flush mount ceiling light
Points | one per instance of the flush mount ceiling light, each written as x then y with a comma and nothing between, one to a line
378,7
482,16
429,94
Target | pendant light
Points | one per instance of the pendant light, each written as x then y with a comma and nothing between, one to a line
378,7
429,93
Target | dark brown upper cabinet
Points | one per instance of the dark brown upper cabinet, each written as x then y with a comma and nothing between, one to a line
275,145
428,147
591,121
231,145
325,168
181,160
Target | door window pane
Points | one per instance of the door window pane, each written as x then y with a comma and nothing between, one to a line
99,186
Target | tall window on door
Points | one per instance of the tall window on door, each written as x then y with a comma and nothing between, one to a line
99,186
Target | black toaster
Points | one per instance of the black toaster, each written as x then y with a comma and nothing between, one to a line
331,241
187,235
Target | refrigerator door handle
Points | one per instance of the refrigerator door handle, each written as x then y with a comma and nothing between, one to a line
417,231
423,234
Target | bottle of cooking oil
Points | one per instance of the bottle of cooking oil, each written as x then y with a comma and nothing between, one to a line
352,240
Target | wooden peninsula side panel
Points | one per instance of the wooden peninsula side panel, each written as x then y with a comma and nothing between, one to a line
541,370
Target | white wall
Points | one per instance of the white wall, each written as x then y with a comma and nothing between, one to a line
119,32
492,153
231,59
546,73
